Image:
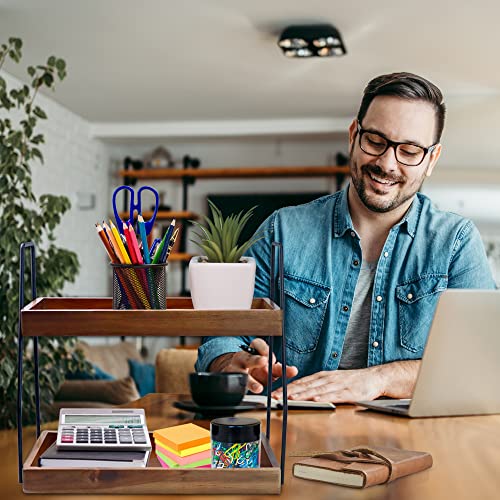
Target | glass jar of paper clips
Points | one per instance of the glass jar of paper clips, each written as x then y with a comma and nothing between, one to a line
140,286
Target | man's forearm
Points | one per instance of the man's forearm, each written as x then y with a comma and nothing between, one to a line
399,378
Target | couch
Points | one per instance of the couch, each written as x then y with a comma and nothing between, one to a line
111,359
172,375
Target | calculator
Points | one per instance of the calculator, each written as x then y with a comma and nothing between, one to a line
103,429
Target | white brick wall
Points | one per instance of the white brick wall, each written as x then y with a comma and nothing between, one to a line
74,163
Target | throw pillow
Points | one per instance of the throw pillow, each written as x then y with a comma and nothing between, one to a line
98,374
115,392
143,375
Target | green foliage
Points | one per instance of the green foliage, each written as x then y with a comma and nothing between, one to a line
26,217
219,238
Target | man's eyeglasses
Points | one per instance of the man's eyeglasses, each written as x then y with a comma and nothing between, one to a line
375,144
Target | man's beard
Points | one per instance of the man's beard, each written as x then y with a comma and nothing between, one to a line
377,204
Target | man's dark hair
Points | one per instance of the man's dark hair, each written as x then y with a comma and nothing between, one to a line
406,86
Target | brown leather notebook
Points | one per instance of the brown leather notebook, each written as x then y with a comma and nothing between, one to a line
362,466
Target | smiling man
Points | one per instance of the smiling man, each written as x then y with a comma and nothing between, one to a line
364,267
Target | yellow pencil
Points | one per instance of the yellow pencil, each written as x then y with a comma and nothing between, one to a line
113,242
123,251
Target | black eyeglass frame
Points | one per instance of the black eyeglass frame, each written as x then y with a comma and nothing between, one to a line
394,145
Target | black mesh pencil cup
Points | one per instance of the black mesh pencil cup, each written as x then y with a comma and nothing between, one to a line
139,286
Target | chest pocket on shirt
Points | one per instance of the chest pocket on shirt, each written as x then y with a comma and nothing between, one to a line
417,300
305,307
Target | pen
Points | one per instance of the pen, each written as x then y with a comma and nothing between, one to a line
172,242
250,350
166,244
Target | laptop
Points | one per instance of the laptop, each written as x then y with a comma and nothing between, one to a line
460,369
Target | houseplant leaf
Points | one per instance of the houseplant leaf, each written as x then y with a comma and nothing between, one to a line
27,217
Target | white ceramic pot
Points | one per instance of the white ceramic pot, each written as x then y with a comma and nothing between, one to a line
222,285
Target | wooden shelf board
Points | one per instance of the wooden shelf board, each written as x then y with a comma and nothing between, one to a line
96,317
218,173
150,480
179,257
163,215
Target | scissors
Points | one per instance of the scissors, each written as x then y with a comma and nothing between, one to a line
135,206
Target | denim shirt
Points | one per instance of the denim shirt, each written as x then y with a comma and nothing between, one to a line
425,253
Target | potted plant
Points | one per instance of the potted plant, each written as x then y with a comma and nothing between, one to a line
222,278
25,216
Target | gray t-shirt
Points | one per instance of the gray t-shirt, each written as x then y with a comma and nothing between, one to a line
355,349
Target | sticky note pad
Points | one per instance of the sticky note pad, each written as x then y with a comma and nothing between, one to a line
184,453
174,465
196,457
181,437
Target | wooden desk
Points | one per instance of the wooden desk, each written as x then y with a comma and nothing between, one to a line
466,452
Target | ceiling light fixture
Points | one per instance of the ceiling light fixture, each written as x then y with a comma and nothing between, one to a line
320,40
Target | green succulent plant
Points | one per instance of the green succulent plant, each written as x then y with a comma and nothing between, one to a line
219,237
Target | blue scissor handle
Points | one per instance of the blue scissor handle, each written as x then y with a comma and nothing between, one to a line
149,223
135,206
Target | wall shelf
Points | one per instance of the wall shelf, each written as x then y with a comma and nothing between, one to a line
164,215
234,172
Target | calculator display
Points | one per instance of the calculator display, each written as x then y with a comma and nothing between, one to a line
102,419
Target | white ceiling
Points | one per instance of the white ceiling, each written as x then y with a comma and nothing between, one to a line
161,60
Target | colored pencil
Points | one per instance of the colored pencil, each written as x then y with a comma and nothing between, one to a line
135,245
137,259
142,231
113,242
129,293
109,249
131,250
134,280
116,234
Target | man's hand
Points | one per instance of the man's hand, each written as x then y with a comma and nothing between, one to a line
396,380
255,365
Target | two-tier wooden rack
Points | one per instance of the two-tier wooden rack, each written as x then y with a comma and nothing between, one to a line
95,317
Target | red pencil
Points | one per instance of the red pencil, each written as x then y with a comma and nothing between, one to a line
130,245
135,245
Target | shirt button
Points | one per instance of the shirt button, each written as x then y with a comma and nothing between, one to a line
386,254
379,298
409,296
356,262
353,234
312,300
375,344
334,355
345,308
